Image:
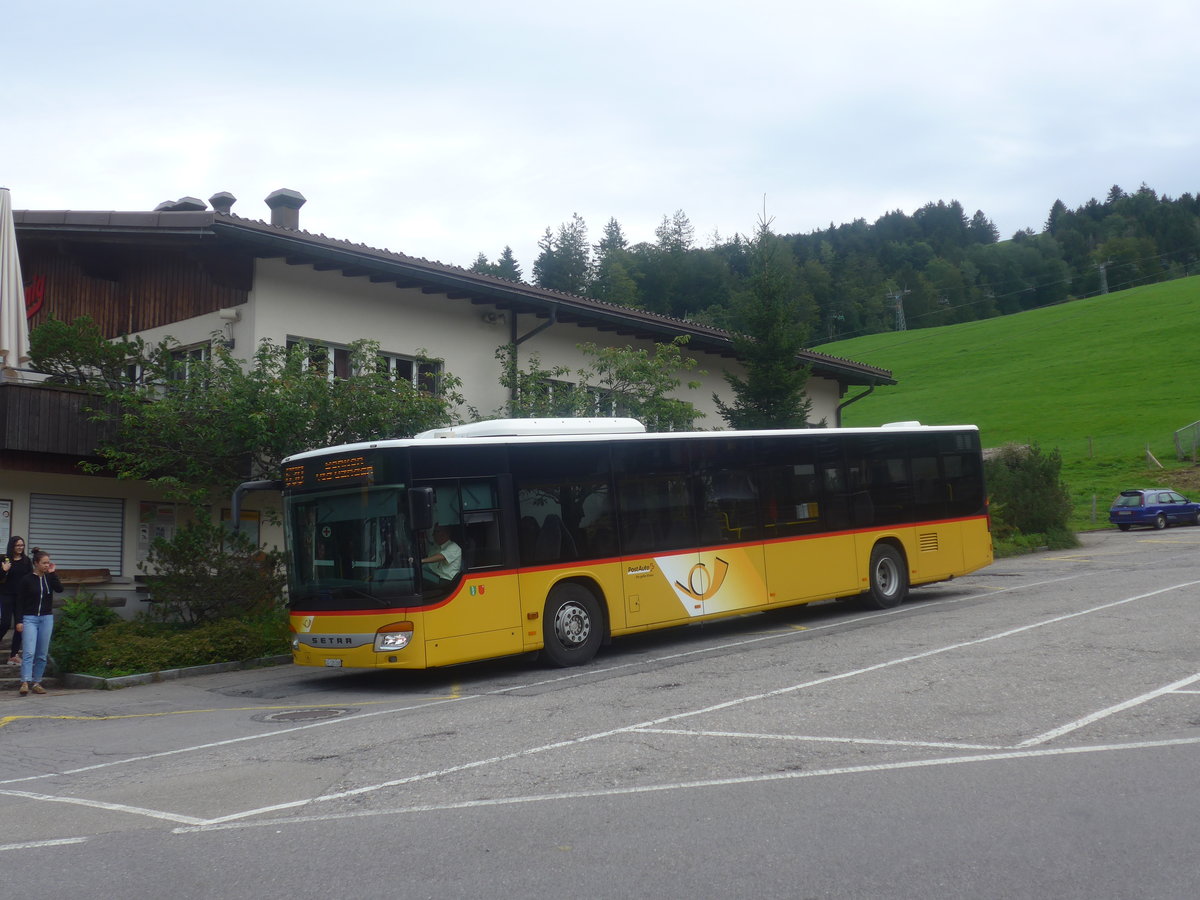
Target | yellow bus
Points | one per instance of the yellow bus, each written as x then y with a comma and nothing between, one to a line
558,535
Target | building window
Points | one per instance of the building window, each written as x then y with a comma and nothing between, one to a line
334,361
186,358
556,397
421,373
328,359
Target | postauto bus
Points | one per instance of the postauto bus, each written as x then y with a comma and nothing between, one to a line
570,532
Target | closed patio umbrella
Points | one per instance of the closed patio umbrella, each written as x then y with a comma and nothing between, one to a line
14,327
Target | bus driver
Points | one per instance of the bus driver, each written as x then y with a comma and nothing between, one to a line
444,565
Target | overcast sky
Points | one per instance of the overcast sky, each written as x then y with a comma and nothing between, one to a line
444,129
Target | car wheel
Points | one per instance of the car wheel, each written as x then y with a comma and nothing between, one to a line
1123,527
1196,518
573,625
888,577
1160,521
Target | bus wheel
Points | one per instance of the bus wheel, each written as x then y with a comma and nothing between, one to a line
573,625
889,578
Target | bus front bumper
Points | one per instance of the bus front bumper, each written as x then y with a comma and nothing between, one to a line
357,642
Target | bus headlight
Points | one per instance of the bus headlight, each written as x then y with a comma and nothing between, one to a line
393,637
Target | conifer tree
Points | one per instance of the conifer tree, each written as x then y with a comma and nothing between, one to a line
768,336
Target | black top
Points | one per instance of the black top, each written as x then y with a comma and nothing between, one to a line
12,579
35,597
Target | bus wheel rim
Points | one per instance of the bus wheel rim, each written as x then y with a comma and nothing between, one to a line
885,577
572,624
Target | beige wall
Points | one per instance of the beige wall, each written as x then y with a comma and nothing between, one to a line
297,301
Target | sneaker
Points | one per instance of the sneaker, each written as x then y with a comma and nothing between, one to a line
38,689
24,689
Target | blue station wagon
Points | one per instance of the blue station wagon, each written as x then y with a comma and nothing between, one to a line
1154,507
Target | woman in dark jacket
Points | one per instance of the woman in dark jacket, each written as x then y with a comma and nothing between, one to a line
15,566
35,606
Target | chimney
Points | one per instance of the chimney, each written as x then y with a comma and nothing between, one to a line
222,202
183,204
285,208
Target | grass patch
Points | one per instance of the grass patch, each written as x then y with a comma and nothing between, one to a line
1101,380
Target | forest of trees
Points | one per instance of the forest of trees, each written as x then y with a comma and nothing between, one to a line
934,267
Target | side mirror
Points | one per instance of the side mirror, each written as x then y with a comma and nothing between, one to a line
420,508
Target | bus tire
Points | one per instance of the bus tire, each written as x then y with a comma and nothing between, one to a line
888,578
574,625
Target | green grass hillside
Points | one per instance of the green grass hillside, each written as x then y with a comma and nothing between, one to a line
1099,379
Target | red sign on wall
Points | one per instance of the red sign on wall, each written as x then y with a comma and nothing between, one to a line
35,296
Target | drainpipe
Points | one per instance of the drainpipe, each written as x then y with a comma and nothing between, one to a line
518,341
842,406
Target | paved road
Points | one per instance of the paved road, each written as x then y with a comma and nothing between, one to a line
1031,730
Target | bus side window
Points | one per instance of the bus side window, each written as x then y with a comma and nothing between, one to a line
480,524
563,507
929,491
654,495
564,521
791,501
470,509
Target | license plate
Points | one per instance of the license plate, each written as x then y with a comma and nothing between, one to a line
333,663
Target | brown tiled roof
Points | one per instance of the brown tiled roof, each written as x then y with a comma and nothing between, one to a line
302,247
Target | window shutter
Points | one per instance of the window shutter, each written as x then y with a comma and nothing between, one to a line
77,532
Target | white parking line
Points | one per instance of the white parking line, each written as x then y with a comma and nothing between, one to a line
100,804
1104,713
218,825
56,842
808,738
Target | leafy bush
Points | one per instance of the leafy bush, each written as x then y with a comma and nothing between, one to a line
206,573
75,626
128,648
1030,505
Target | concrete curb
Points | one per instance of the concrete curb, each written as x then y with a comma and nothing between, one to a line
71,680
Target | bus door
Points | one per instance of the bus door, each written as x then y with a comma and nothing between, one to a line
730,573
659,559
475,613
657,527
809,548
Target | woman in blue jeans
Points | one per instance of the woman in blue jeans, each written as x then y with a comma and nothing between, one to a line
35,620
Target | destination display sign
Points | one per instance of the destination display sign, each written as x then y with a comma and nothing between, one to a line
330,471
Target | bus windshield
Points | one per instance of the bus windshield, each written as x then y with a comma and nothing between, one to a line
351,549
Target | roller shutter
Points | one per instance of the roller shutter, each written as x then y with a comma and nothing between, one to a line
78,532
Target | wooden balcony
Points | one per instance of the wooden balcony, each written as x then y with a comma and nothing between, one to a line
47,428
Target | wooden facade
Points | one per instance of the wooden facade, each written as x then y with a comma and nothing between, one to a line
128,288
